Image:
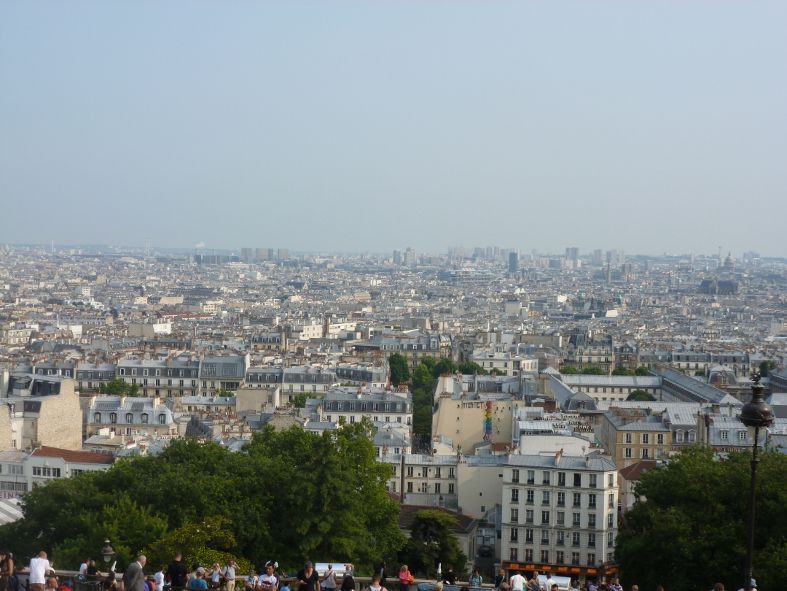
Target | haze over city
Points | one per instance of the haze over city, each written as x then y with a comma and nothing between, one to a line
352,126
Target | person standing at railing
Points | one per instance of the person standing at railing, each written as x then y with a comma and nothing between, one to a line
405,578
475,578
229,575
39,568
177,572
6,570
329,580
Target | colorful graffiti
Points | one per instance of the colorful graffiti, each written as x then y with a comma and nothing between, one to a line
488,421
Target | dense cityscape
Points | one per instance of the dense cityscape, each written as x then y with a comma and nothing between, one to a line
525,395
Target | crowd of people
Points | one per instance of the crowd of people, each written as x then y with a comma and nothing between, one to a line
177,576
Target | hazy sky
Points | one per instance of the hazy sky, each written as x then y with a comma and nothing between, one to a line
652,126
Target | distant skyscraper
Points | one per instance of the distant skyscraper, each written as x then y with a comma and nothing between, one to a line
245,255
397,257
572,253
513,262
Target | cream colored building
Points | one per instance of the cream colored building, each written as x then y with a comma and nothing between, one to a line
40,411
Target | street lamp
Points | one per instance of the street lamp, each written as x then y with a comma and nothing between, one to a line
757,414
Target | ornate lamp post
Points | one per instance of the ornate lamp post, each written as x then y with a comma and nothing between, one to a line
755,414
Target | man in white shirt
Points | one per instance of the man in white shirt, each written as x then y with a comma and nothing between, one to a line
39,568
517,582
229,575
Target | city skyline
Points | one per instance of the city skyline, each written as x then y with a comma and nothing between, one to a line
345,125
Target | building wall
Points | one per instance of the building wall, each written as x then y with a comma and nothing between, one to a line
462,421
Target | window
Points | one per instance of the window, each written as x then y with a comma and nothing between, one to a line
529,536
529,516
645,438
561,518
561,499
591,559
628,437
645,453
692,436
559,557
724,435
545,477
577,479
660,439
97,417
145,418
592,521
561,479
575,538
560,538
514,476
514,495
544,517
592,501
679,436
162,419
531,476
528,554
514,534
514,515
575,558
742,435
450,488
611,520
530,496
628,452
409,487
409,470
545,497
513,555
591,540
610,540
593,478
129,417
437,489
544,555
611,501
544,537
611,479
577,499
575,519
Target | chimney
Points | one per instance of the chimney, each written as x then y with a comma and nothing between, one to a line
558,456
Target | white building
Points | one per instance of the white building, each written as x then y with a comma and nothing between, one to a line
559,513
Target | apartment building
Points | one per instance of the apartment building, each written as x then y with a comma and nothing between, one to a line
504,362
20,471
618,388
426,480
168,377
124,415
352,405
631,435
40,411
560,514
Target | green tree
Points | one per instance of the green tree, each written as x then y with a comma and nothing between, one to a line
432,541
592,370
471,368
299,400
569,370
289,495
444,366
622,371
695,521
766,366
642,371
205,542
423,387
225,393
641,395
115,386
400,370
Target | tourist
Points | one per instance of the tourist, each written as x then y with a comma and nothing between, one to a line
405,578
39,569
308,579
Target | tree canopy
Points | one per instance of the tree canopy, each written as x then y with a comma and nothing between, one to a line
118,387
691,531
400,371
431,542
290,495
641,395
